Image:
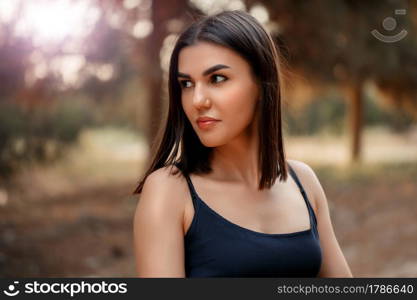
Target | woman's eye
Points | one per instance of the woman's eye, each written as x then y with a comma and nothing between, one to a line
183,83
214,79
219,76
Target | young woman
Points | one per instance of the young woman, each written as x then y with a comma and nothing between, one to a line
210,203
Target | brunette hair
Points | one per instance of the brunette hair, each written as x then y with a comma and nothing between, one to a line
178,144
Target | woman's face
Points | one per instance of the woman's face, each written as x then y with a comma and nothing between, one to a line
217,83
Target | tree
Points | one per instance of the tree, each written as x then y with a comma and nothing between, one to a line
330,42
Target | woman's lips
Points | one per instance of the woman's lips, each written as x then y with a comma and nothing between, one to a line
207,124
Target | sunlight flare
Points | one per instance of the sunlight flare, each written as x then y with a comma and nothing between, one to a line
53,21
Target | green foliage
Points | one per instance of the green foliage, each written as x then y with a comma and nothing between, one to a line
316,116
397,119
39,134
328,115
12,128
68,119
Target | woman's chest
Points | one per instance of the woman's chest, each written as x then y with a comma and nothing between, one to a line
282,209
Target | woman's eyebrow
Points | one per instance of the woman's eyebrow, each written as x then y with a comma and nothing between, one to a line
206,72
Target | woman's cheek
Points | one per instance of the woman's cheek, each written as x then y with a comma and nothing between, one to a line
234,123
240,107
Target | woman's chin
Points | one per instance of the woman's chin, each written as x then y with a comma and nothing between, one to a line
210,143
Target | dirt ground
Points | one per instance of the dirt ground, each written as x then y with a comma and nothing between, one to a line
375,220
88,232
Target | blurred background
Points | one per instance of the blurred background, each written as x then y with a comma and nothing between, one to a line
83,89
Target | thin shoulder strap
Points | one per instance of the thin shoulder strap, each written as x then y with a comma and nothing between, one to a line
297,181
190,187
300,186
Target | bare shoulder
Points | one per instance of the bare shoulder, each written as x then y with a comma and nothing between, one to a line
158,225
163,193
309,181
168,176
302,168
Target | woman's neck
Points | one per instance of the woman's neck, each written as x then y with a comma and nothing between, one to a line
238,159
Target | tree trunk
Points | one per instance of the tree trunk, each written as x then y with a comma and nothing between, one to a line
153,69
354,98
162,12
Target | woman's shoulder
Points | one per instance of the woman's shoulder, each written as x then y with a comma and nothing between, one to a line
308,179
158,225
168,174
168,179
165,187
300,166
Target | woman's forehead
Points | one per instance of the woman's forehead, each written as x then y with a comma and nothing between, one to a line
204,55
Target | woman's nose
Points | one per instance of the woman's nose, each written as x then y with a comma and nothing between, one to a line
200,97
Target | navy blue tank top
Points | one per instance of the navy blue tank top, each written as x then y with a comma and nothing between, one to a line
216,247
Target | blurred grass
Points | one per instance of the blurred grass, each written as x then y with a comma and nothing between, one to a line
105,153
387,157
379,145
392,172
102,156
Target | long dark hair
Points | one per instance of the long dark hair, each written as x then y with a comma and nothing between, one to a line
178,144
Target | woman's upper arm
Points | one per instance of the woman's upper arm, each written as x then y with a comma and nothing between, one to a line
158,228
333,261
